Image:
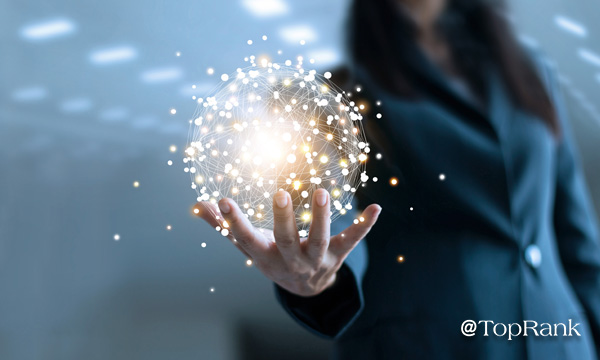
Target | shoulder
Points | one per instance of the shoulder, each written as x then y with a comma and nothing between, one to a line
546,68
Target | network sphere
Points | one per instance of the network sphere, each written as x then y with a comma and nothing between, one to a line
273,127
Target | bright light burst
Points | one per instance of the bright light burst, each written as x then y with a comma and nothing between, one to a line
271,127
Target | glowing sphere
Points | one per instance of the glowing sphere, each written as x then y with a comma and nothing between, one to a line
272,127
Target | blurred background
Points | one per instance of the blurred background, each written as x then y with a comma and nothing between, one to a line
87,90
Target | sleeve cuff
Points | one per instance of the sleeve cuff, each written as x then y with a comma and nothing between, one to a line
329,313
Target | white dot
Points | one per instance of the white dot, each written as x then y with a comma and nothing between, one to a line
212,289
210,71
224,77
327,75
224,232
264,37
249,42
170,162
173,111
117,237
203,244
178,54
442,177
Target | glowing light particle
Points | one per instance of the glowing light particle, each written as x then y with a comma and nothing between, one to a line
117,237
172,148
203,244
224,77
169,227
400,259
212,289
442,177
248,262
136,184
173,111
393,181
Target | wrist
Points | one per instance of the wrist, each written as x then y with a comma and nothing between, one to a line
330,282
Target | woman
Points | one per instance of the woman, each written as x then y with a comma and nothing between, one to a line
489,219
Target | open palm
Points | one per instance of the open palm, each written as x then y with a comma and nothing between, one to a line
303,266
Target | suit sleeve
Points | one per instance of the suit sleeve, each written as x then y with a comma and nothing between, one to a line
575,222
331,312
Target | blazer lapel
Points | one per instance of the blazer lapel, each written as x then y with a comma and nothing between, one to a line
494,113
500,106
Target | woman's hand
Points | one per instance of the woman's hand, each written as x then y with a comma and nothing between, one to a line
304,266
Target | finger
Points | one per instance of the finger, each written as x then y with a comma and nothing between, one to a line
345,241
243,231
208,212
318,237
211,214
284,226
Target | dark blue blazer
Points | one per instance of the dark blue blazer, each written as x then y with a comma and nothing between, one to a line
509,235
